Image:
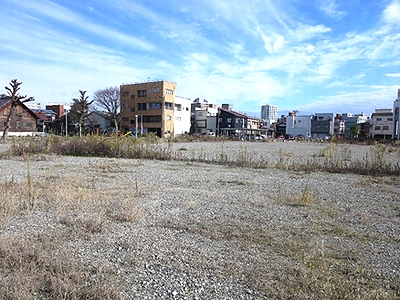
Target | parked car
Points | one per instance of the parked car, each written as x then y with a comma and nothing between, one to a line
290,137
281,138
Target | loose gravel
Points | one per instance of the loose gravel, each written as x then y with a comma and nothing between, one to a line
218,232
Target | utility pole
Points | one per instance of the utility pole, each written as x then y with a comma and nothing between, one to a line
66,123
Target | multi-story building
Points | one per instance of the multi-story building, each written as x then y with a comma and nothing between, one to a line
231,123
269,113
322,125
57,108
200,103
396,117
298,125
149,106
205,120
339,125
181,115
381,124
351,121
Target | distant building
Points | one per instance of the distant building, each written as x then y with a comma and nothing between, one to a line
149,104
339,125
298,125
269,113
396,117
231,123
99,122
59,109
381,124
322,125
351,120
205,120
182,109
200,103
23,122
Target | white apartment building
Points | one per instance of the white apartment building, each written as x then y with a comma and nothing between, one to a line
269,113
181,116
381,124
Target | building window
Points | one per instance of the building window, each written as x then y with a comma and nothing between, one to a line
228,120
379,119
132,122
178,107
142,106
187,108
125,119
133,96
178,119
132,109
154,105
19,124
125,93
385,127
377,127
142,93
390,119
29,125
169,92
201,124
152,119
168,105
155,90
200,114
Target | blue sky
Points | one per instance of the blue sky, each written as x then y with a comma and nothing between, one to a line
322,56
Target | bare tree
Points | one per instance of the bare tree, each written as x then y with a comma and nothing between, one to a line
80,109
107,101
16,99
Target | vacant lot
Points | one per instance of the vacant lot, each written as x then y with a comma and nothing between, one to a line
104,228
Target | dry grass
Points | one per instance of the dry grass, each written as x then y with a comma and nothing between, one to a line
303,197
36,261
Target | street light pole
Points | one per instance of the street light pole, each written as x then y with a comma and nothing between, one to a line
141,125
136,124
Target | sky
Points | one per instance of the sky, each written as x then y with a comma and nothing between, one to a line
313,56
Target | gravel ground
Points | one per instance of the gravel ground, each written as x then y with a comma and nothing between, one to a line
218,232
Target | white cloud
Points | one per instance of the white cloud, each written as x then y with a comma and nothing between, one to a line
331,8
273,43
392,12
304,32
355,102
61,14
395,75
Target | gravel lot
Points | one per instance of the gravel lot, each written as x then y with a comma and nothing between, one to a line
209,231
